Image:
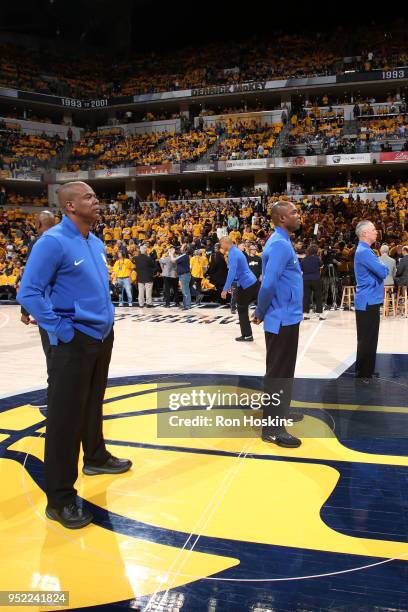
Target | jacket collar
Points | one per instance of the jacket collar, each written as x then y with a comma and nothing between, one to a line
282,233
71,227
364,245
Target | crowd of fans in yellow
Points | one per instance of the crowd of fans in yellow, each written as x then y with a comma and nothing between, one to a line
114,148
18,148
247,222
383,129
317,124
247,140
255,59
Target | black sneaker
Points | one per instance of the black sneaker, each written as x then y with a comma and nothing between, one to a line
71,516
283,438
245,339
112,466
149,305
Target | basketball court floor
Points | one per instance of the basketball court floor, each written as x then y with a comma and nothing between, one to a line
225,524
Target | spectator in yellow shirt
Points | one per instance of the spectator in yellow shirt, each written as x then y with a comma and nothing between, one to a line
235,235
9,283
117,233
247,234
122,270
198,265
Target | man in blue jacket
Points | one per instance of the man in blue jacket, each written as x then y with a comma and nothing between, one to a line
370,274
65,287
247,286
45,221
280,307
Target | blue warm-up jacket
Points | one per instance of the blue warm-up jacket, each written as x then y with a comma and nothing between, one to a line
280,298
238,270
65,285
370,273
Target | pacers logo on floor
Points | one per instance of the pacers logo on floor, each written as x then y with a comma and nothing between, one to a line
191,508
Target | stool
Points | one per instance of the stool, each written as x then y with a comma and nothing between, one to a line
348,296
389,301
402,296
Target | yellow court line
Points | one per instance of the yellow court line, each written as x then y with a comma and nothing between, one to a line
352,407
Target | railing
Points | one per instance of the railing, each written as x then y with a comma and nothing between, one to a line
37,128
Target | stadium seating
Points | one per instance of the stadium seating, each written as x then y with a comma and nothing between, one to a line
113,148
247,140
18,149
282,56
319,131
389,133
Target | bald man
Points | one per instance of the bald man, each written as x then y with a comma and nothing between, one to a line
280,307
240,273
65,287
45,220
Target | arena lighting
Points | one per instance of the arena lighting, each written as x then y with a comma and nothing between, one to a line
348,71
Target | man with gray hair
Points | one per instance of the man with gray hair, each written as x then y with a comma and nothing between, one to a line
390,263
370,273
145,268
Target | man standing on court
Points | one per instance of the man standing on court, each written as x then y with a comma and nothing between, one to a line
45,221
247,286
370,273
65,287
280,307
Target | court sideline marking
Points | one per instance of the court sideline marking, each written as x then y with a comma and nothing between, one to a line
308,343
210,509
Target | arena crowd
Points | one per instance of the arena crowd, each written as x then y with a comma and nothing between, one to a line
145,243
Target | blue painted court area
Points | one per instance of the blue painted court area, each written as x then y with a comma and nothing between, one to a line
368,502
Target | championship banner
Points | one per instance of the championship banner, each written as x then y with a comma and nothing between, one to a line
73,103
348,158
394,157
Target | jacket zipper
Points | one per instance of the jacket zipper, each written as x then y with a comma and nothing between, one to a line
100,278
